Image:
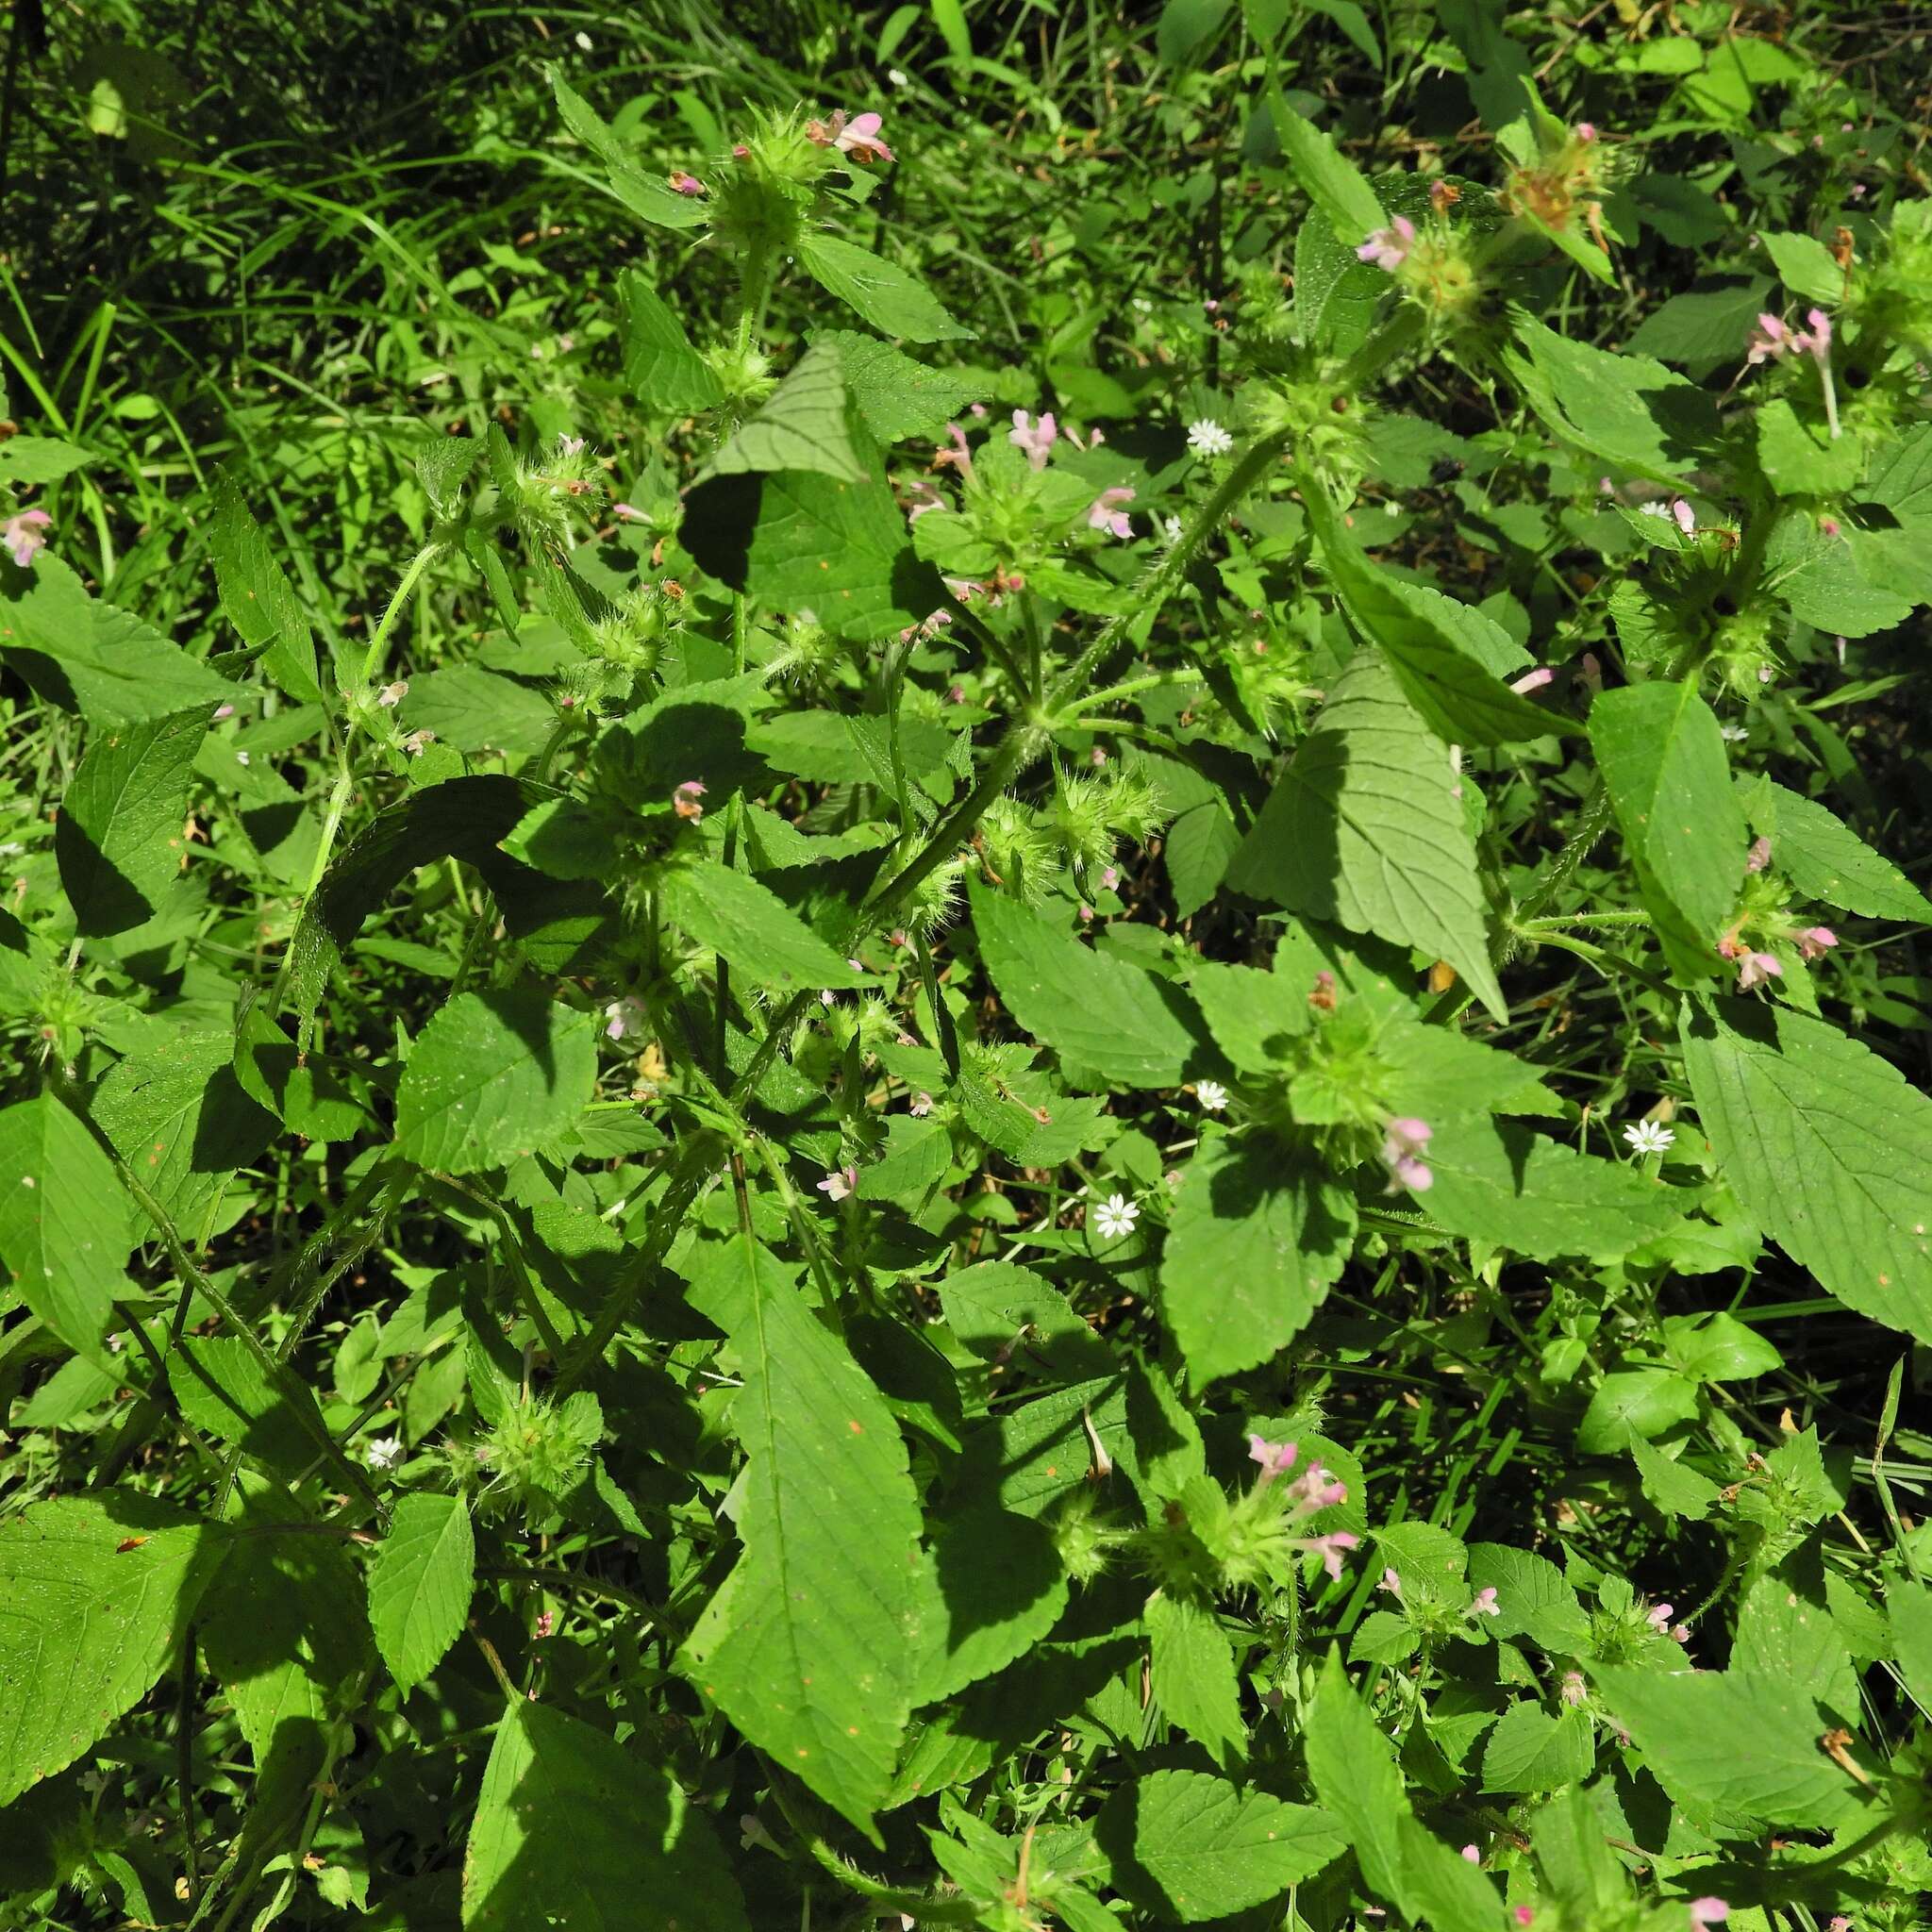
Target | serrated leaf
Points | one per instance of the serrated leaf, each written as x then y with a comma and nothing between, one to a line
118,838
810,1648
1533,1599
420,1585
1096,1011
256,596
96,1594
749,924
802,425
995,1586
1662,757
1192,1674
1008,1314
1805,265
661,368
1827,1148
64,1232
1192,1846
1826,861
1500,1182
878,292
1529,1750
1354,1772
656,201
90,658
573,1829
1364,828
1254,1238
1459,695
898,398
223,1388
491,1077
1327,177
30,460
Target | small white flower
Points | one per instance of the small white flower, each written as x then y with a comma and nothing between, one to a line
1207,437
383,1452
1171,528
1116,1216
1733,734
1212,1094
1648,1137
897,78
583,39
240,757
1654,509
1391,509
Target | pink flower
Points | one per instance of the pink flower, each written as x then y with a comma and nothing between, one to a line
1485,1603
1402,1154
1388,248
684,801
1686,516
223,712
1390,1581
1474,1856
840,1183
859,137
622,1018
25,535
1754,969
1104,515
1573,1688
1817,339
1828,527
1035,439
627,512
1330,1548
391,695
1658,1617
1533,680
1109,877
1276,1458
1758,857
418,743
1769,341
921,1106
1586,131
1523,1915
955,455
686,184
1815,941
547,1623
570,446
1706,1912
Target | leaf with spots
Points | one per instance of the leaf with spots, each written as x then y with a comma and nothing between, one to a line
811,1647
95,1592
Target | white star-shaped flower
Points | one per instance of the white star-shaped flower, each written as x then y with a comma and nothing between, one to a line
1207,437
1648,1137
383,1452
1212,1094
1116,1216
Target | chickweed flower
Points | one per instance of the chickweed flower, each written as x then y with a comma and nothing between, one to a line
1207,437
1648,1137
382,1453
1212,1094
1115,1217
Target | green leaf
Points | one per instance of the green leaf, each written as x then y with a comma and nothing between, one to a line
878,292
573,1829
420,1585
27,460
1255,1240
1365,827
1671,1485
1195,1847
1910,1607
258,598
1662,757
1804,266
1531,1751
1008,1314
1786,1632
801,427
1829,1147
492,1076
1459,695
994,1586
1499,1182
1734,1749
1826,859
749,924
898,398
1354,1775
177,1116
1327,177
1194,1674
443,466
660,368
119,837
1804,460
65,1232
1097,1012
656,201
1633,1402
1533,1599
90,658
1628,409
810,1648
96,1594
305,1094
223,1388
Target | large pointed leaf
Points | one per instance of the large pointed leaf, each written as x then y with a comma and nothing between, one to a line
118,838
1826,861
662,369
802,425
811,1648
96,1594
1365,827
573,1829
1830,1149
1662,757
420,1584
256,596
878,292
749,924
1327,177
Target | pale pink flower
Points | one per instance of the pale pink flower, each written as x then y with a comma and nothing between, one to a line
1815,941
1104,514
1758,857
1754,969
391,695
840,1183
1402,1154
547,1623
682,183
1769,341
223,712
921,1106
684,801
740,152
1685,515
1532,680
1485,1603
1816,340
1839,1923
569,446
1390,1581
1706,1912
1828,527
1276,1458
859,137
956,454
418,743
627,512
1474,1856
1586,131
1086,915
1658,1617
1573,1688
1330,1548
622,1018
25,535
1110,878
1036,439
1523,1915
1388,248
924,499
